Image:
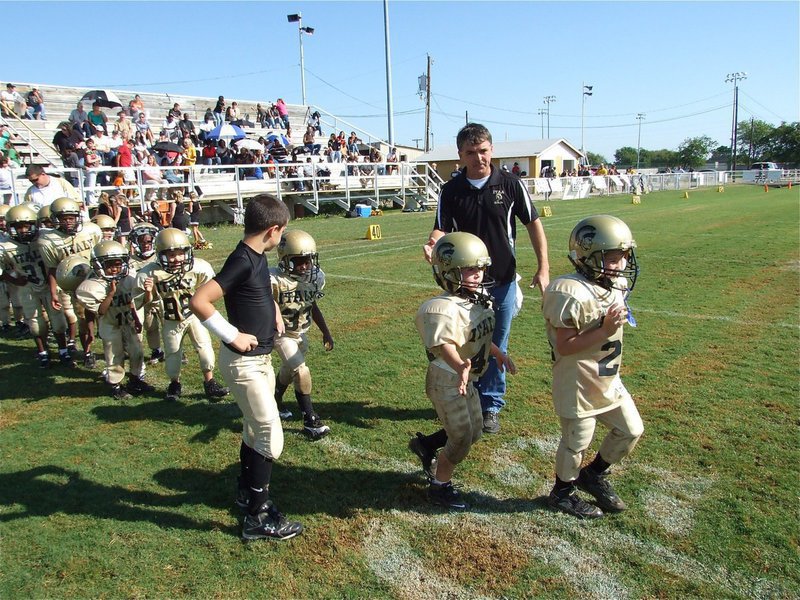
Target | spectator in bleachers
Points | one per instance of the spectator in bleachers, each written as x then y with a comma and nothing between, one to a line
170,126
219,111
334,149
136,106
375,156
186,128
309,143
143,127
273,118
35,102
283,112
205,128
278,151
97,118
391,158
140,149
314,121
6,179
12,100
70,144
91,160
261,115
80,118
124,126
123,161
209,153
352,143
175,111
224,153
152,175
102,146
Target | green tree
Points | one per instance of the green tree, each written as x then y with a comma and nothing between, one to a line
784,145
662,158
595,159
753,139
693,152
625,157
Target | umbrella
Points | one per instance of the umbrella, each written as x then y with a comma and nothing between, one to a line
167,147
226,130
284,140
249,144
104,98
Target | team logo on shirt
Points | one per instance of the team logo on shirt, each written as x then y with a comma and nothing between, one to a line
498,196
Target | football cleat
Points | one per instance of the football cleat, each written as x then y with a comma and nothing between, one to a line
314,427
173,391
66,360
44,360
284,412
568,501
269,523
137,386
89,360
425,456
601,489
214,391
156,356
445,494
71,347
119,393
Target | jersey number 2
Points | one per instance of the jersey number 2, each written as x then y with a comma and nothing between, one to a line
603,368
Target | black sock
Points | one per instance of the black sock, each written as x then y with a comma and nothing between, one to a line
259,474
304,402
562,485
280,389
598,465
435,441
244,451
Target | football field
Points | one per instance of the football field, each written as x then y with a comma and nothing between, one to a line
135,500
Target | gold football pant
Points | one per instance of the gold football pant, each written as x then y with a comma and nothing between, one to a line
173,333
461,416
35,305
5,304
625,428
15,294
150,319
252,382
116,341
292,351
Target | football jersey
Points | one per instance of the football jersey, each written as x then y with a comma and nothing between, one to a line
585,383
137,263
25,260
450,319
295,298
94,290
175,289
54,245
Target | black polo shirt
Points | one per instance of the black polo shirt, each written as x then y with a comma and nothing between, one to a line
490,214
244,278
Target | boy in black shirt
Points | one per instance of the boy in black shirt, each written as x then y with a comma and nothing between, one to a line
244,360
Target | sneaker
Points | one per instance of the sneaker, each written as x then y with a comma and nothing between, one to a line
314,427
71,347
89,360
569,502
269,524
137,386
118,393
44,360
23,331
173,391
156,356
242,495
66,360
598,486
215,391
491,422
446,495
425,456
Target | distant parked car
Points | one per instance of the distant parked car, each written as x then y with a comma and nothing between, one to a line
763,173
764,166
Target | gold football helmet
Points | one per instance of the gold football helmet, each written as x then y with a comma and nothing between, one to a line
45,217
4,208
142,240
71,272
174,239
455,251
104,253
589,241
105,223
61,211
16,219
296,244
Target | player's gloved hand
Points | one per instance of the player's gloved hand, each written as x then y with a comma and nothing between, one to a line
327,341
245,342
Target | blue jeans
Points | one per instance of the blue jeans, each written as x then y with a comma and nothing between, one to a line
492,385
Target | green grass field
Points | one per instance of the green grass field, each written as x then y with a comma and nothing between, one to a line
106,500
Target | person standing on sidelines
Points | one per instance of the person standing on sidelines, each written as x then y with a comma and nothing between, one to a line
245,363
484,200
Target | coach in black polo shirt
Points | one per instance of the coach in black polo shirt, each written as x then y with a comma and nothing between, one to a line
486,202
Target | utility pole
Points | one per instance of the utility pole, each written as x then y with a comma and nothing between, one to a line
735,78
547,101
587,91
390,110
639,117
428,107
542,113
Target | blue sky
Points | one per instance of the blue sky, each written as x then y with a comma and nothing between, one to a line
495,61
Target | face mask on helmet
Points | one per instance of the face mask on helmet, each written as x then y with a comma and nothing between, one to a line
297,256
455,252
174,251
142,241
22,225
66,216
598,241
110,260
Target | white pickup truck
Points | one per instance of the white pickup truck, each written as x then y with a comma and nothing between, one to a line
763,173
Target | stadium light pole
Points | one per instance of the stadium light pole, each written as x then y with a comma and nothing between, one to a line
735,78
298,18
542,113
587,91
639,117
547,101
